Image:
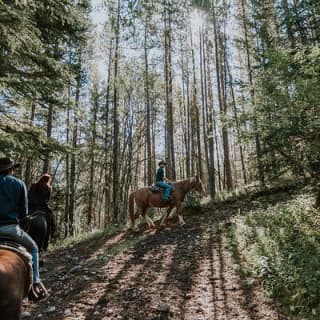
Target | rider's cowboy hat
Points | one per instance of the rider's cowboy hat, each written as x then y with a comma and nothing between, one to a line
162,162
7,163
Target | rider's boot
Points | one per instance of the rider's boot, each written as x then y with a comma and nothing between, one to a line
38,292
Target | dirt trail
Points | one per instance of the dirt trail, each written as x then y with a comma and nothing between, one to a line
176,273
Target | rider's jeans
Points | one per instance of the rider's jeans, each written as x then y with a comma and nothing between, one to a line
167,189
14,232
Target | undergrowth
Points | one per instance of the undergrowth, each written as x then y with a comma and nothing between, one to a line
280,245
191,200
84,237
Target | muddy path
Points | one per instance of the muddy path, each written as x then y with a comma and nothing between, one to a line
176,273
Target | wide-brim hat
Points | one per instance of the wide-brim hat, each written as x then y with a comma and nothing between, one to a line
7,163
162,162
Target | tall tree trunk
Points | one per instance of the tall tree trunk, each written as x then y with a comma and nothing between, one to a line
46,164
106,141
67,171
218,155
222,101
28,164
238,129
94,112
115,164
148,111
204,101
261,175
184,115
195,120
170,154
71,226
210,133
189,150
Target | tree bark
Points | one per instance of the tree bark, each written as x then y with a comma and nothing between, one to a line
261,175
222,102
115,164
148,111
170,154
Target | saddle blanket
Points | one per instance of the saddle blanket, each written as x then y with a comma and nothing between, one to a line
10,245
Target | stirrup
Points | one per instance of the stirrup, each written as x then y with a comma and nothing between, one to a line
37,292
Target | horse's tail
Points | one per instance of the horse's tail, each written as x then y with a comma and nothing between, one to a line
131,208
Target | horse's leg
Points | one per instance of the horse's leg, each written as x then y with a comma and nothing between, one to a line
147,218
179,211
165,216
134,217
133,220
133,212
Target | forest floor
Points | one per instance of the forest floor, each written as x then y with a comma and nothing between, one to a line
188,272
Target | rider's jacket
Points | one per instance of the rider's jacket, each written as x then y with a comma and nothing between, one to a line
160,174
13,200
38,197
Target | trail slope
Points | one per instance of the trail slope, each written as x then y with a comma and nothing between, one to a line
176,273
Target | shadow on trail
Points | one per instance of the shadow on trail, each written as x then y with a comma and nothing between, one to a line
126,276
171,252
246,290
67,269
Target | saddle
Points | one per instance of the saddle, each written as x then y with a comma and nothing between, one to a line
155,189
35,292
11,245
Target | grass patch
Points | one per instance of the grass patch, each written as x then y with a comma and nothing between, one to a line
84,237
280,245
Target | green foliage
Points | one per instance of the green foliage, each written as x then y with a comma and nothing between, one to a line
38,42
281,246
191,201
282,44
205,4
287,112
30,142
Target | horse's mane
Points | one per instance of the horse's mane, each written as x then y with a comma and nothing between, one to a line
190,179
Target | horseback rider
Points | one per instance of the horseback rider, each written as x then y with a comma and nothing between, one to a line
13,208
162,181
39,196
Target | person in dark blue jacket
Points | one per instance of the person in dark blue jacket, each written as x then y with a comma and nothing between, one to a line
162,181
13,208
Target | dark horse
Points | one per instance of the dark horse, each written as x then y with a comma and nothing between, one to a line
38,227
15,282
145,198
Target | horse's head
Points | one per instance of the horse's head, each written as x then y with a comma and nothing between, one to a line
197,185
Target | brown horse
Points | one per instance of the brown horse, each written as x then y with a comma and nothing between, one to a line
15,281
145,198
